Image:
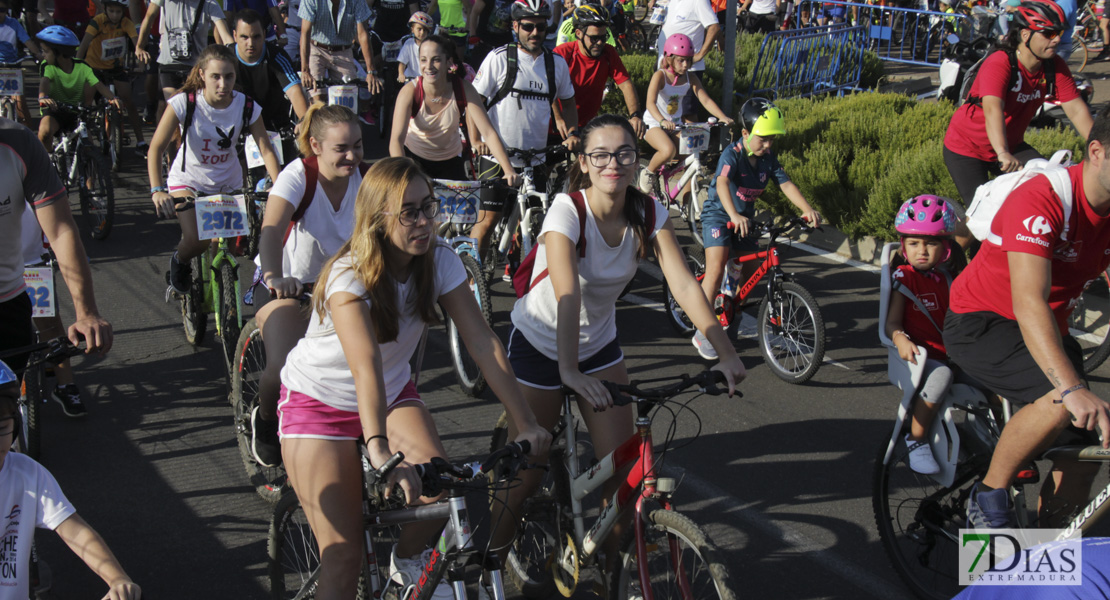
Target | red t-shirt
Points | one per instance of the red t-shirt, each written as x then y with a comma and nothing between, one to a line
1031,221
589,76
931,287
967,131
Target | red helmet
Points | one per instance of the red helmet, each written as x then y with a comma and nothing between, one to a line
1040,15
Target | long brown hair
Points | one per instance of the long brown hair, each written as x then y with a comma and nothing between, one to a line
378,202
316,121
195,81
635,201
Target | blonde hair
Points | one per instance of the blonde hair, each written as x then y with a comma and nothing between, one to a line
195,81
316,121
379,200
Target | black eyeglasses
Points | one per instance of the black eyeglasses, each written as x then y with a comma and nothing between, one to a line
408,216
530,27
597,39
625,157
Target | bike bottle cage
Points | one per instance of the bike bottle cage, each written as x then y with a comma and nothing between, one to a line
191,107
311,175
460,100
1049,72
508,85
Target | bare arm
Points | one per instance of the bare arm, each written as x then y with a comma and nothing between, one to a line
711,34
1080,116
475,14
792,193
279,212
87,544
223,34
628,90
265,148
654,86
144,31
477,118
306,36
83,49
401,120
907,349
707,100
279,23
298,99
994,116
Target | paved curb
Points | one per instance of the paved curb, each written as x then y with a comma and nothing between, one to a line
866,249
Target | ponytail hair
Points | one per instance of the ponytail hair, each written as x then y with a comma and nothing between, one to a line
195,81
316,121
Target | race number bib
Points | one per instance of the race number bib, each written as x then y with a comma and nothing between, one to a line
692,140
40,287
221,216
344,95
458,201
658,15
254,156
113,49
391,50
11,82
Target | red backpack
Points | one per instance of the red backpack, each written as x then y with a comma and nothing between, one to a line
522,278
311,174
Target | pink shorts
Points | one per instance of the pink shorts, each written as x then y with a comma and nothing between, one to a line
302,416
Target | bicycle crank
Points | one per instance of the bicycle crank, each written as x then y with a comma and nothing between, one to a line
564,569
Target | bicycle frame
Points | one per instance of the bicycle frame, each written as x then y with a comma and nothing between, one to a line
690,167
522,212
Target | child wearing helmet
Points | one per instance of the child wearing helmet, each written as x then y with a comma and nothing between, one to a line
408,60
666,91
103,48
64,80
925,225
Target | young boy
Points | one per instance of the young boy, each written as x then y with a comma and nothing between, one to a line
30,498
64,80
11,33
103,48
408,61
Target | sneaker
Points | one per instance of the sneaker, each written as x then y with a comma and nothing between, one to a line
70,399
406,572
649,183
142,148
508,276
369,118
1103,54
989,510
180,274
921,457
265,443
705,349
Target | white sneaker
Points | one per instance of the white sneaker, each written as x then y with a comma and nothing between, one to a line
406,572
705,349
921,457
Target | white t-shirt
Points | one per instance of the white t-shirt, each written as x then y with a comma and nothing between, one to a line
212,166
322,231
690,17
29,498
410,57
763,7
522,122
33,246
317,366
603,274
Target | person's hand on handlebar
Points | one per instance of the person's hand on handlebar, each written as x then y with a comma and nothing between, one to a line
404,474
812,218
46,102
538,437
667,125
1008,162
164,205
123,590
591,389
96,331
741,225
1088,412
734,371
307,80
481,148
285,287
511,179
572,143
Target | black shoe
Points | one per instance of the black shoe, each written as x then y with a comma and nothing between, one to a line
70,399
180,274
1103,54
265,443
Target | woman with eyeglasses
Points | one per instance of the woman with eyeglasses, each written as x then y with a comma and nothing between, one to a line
986,136
349,377
564,329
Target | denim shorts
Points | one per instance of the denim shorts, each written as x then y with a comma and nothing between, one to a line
535,370
714,232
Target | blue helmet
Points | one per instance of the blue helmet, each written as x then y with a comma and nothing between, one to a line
56,34
7,375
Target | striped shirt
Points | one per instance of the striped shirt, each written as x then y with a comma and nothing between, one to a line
324,28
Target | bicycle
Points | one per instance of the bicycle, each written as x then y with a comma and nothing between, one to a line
663,555
694,139
790,327
80,164
294,561
33,390
11,87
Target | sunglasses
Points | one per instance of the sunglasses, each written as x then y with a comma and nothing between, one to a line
1050,34
530,27
597,39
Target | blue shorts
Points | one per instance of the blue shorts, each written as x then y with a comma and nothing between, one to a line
535,370
714,232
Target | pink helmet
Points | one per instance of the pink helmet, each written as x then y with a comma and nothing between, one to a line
423,18
926,215
679,45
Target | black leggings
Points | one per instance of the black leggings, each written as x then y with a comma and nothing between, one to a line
452,168
969,173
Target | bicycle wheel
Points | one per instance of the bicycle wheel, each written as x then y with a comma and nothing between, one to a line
94,185
34,390
228,315
113,147
194,318
919,520
466,370
695,261
7,109
792,333
1079,52
674,543
1089,323
246,374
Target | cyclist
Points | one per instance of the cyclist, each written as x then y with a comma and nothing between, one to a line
184,26
1008,327
522,120
74,15
667,89
326,40
29,180
349,377
433,137
567,28
452,23
30,8
761,15
592,62
103,47
490,26
30,498
408,61
11,32
564,329
986,135
64,80
215,117
742,175
270,19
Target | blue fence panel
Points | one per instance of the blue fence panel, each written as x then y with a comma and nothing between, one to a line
804,62
903,35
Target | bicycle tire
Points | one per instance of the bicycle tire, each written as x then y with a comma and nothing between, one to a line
1089,322
665,530
794,347
469,376
98,204
229,321
114,147
250,360
489,261
1079,52
34,392
194,317
7,110
695,261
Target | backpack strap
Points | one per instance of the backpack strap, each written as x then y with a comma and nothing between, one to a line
190,108
897,285
511,69
549,66
580,207
417,97
248,112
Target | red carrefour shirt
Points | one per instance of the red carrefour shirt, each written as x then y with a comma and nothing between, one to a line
967,131
589,76
1031,221
931,287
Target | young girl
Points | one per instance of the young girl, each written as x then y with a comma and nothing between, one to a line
64,80
103,47
926,225
408,61
433,137
331,138
208,162
666,90
350,377
564,329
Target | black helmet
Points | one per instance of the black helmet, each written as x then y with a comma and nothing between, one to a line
590,14
523,9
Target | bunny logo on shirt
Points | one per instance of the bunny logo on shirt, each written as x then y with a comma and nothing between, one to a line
208,157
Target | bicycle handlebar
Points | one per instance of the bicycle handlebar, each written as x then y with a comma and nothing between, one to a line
528,155
706,382
776,231
56,351
440,474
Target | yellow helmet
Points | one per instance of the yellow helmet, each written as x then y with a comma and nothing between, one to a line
762,118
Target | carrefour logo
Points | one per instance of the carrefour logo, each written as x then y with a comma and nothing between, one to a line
1037,225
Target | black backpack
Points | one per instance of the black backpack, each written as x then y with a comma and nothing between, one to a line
191,107
507,84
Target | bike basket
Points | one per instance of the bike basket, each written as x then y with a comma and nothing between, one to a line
693,139
344,95
11,82
458,201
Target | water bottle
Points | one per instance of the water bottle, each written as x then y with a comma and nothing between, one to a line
731,283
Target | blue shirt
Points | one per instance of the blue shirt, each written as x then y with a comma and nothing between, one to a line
746,181
1071,10
324,28
11,32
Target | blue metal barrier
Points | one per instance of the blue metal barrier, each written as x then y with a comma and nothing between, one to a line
804,62
904,35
